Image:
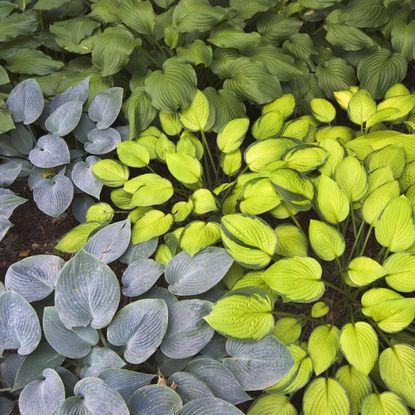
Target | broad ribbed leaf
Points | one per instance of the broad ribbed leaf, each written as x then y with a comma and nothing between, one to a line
84,179
98,360
50,151
105,107
19,324
272,403
207,406
327,242
400,269
348,37
187,332
9,201
9,171
386,403
77,92
102,141
140,327
87,292
333,75
34,277
65,119
195,275
188,386
363,271
139,251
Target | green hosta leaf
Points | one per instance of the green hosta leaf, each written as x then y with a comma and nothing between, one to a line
296,279
196,53
225,36
323,346
272,404
402,37
151,224
196,115
363,271
291,241
386,403
243,314
111,172
17,24
6,120
276,27
231,136
351,176
396,369
323,110
348,37
184,168
359,344
32,62
325,396
138,15
361,107
400,268
247,8
326,241
268,125
172,88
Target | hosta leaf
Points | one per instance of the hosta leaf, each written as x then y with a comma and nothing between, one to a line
219,379
196,115
102,141
204,406
84,179
196,53
105,107
184,168
34,278
225,36
74,343
6,405
19,324
155,399
189,387
187,332
77,237
87,292
323,346
231,136
275,28
325,396
50,151
400,269
9,201
64,120
25,102
258,364
133,154
402,37
17,24
296,279
149,190
351,176
9,171
139,251
88,399
359,345
198,235
268,125
326,241
140,327
243,314
361,107
259,196
363,271
348,37
272,404
152,224
42,396
111,172
98,360
286,329
323,110
194,275
334,75
32,62
138,15
386,403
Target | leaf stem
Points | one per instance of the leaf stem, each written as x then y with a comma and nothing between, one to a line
356,241
5,390
212,162
102,338
362,250
301,316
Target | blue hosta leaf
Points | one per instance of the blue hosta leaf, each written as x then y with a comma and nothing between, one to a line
9,172
10,364
80,204
125,382
105,107
102,141
9,201
74,343
258,364
87,292
219,379
140,327
19,324
194,275
94,397
83,128
187,333
64,119
17,142
216,348
5,225
100,359
43,396
109,243
77,92
155,399
34,277
208,406
50,151
189,387
69,380
6,406
25,102
140,276
163,294
169,366
143,250
84,179
53,195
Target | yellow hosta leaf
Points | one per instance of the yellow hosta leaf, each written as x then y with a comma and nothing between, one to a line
323,110
181,210
243,314
163,254
232,134
392,156
122,199
203,202
196,115
272,404
296,279
252,279
323,346
325,396
285,105
404,104
400,268
327,242
336,153
332,202
352,178
386,403
198,235
149,189
283,211
337,132
361,107
319,309
133,154
298,129
395,227
138,213
259,196
149,142
231,162
170,123
305,158
99,212
380,116
287,329
77,237
111,172
268,125
153,223
164,146
364,270
184,168
291,241
396,366
396,91
359,345
343,97
379,177
407,178
190,143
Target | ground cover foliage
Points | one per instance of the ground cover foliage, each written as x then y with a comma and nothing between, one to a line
220,258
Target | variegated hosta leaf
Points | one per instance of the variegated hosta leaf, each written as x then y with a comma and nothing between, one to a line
74,343
34,277
125,382
50,151
84,179
102,141
19,324
87,292
144,250
195,275
9,172
258,364
64,119
105,107
207,406
53,195
9,201
44,396
140,276
109,243
140,327
188,332
94,397
155,399
219,379
25,102
189,387
100,359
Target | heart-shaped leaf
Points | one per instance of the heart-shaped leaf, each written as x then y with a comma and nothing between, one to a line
64,119
77,92
105,107
139,251
84,179
9,201
50,151
189,387
207,406
9,172
102,141
100,359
